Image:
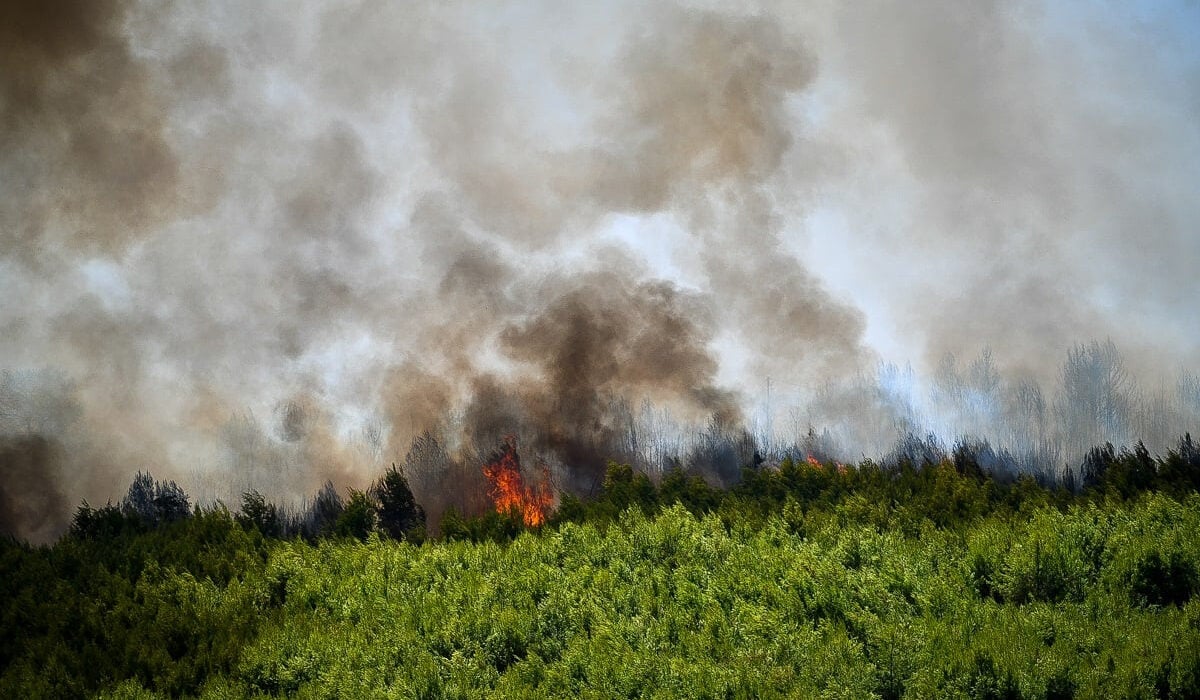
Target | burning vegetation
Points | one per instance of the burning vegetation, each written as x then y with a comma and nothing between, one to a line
509,491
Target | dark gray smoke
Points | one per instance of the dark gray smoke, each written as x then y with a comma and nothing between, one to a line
30,501
245,247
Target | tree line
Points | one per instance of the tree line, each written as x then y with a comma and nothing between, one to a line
929,481
387,507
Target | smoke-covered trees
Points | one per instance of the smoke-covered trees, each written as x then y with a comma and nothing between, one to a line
387,507
1096,397
1039,431
321,516
398,512
98,523
978,460
1021,424
915,451
426,463
1095,402
1127,473
260,514
155,502
148,504
1181,467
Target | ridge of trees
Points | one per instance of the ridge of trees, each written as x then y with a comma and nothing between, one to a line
919,477
386,508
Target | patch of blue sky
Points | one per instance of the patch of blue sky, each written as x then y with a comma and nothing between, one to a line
105,280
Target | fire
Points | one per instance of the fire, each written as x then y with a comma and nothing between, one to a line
509,490
817,464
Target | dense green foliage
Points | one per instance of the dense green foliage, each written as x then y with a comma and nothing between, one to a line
933,580
166,607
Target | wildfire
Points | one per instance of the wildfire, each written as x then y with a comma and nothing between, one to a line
509,490
816,463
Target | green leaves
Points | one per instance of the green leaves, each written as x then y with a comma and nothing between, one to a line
1095,601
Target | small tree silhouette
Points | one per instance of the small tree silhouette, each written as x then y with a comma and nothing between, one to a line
399,513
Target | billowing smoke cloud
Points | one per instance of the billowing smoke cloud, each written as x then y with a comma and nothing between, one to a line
86,139
604,341
259,248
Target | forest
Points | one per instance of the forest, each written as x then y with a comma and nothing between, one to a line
599,350
808,578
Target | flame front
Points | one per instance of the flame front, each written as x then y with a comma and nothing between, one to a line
509,490
816,463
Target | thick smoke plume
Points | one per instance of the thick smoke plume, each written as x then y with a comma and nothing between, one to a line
248,247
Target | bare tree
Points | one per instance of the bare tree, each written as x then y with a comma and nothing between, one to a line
1095,401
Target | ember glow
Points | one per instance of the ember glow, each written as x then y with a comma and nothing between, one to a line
818,464
510,492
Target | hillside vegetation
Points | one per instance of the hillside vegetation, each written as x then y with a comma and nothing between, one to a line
808,580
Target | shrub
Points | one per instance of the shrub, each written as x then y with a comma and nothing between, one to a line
1163,580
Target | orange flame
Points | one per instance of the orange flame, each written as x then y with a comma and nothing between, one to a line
509,490
817,464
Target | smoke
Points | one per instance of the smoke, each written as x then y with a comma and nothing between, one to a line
86,141
33,466
30,501
603,341
1030,157
266,247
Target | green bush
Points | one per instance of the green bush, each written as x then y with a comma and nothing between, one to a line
1163,580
